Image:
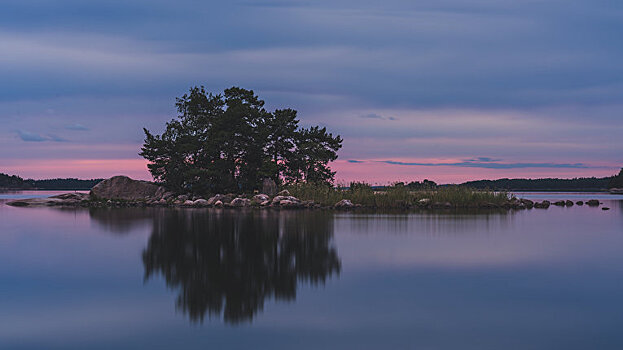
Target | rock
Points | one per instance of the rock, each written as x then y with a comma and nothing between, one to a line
162,201
73,196
123,187
218,204
38,202
593,203
559,203
569,203
182,197
200,202
344,203
240,202
605,208
265,203
284,193
168,195
527,203
288,203
188,202
219,197
278,199
579,203
269,187
542,205
260,198
424,201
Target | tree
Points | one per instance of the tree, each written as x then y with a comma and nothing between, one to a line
229,142
617,181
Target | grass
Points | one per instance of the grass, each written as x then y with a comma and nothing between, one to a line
397,196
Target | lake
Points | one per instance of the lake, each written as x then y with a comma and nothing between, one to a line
267,279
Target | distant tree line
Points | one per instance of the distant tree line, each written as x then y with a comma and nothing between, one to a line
16,182
230,143
548,184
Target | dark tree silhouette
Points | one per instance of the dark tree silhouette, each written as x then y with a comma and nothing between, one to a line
229,263
230,143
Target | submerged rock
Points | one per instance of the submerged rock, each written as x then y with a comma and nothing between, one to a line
125,188
605,208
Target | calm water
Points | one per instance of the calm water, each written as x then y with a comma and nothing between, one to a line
208,278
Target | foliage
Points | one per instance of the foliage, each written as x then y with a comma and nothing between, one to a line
395,196
16,182
230,143
590,183
617,181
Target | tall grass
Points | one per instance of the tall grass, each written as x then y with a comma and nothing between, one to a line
397,196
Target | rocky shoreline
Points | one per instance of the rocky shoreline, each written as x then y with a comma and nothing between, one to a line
121,191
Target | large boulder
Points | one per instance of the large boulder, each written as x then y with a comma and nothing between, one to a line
125,188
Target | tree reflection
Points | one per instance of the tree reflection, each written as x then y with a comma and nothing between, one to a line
229,262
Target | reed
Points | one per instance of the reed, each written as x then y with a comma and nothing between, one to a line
397,196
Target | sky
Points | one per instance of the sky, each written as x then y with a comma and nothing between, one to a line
448,90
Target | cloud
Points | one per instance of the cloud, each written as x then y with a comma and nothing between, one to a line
34,137
355,161
376,116
483,160
76,127
496,165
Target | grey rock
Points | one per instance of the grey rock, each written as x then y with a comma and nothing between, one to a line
240,202
344,203
284,193
261,198
219,197
218,203
188,202
277,200
125,188
200,202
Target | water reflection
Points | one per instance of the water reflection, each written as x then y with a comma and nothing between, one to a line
229,262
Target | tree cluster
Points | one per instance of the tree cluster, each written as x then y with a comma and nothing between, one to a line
229,143
617,181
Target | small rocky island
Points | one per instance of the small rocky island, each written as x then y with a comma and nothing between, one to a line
122,191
